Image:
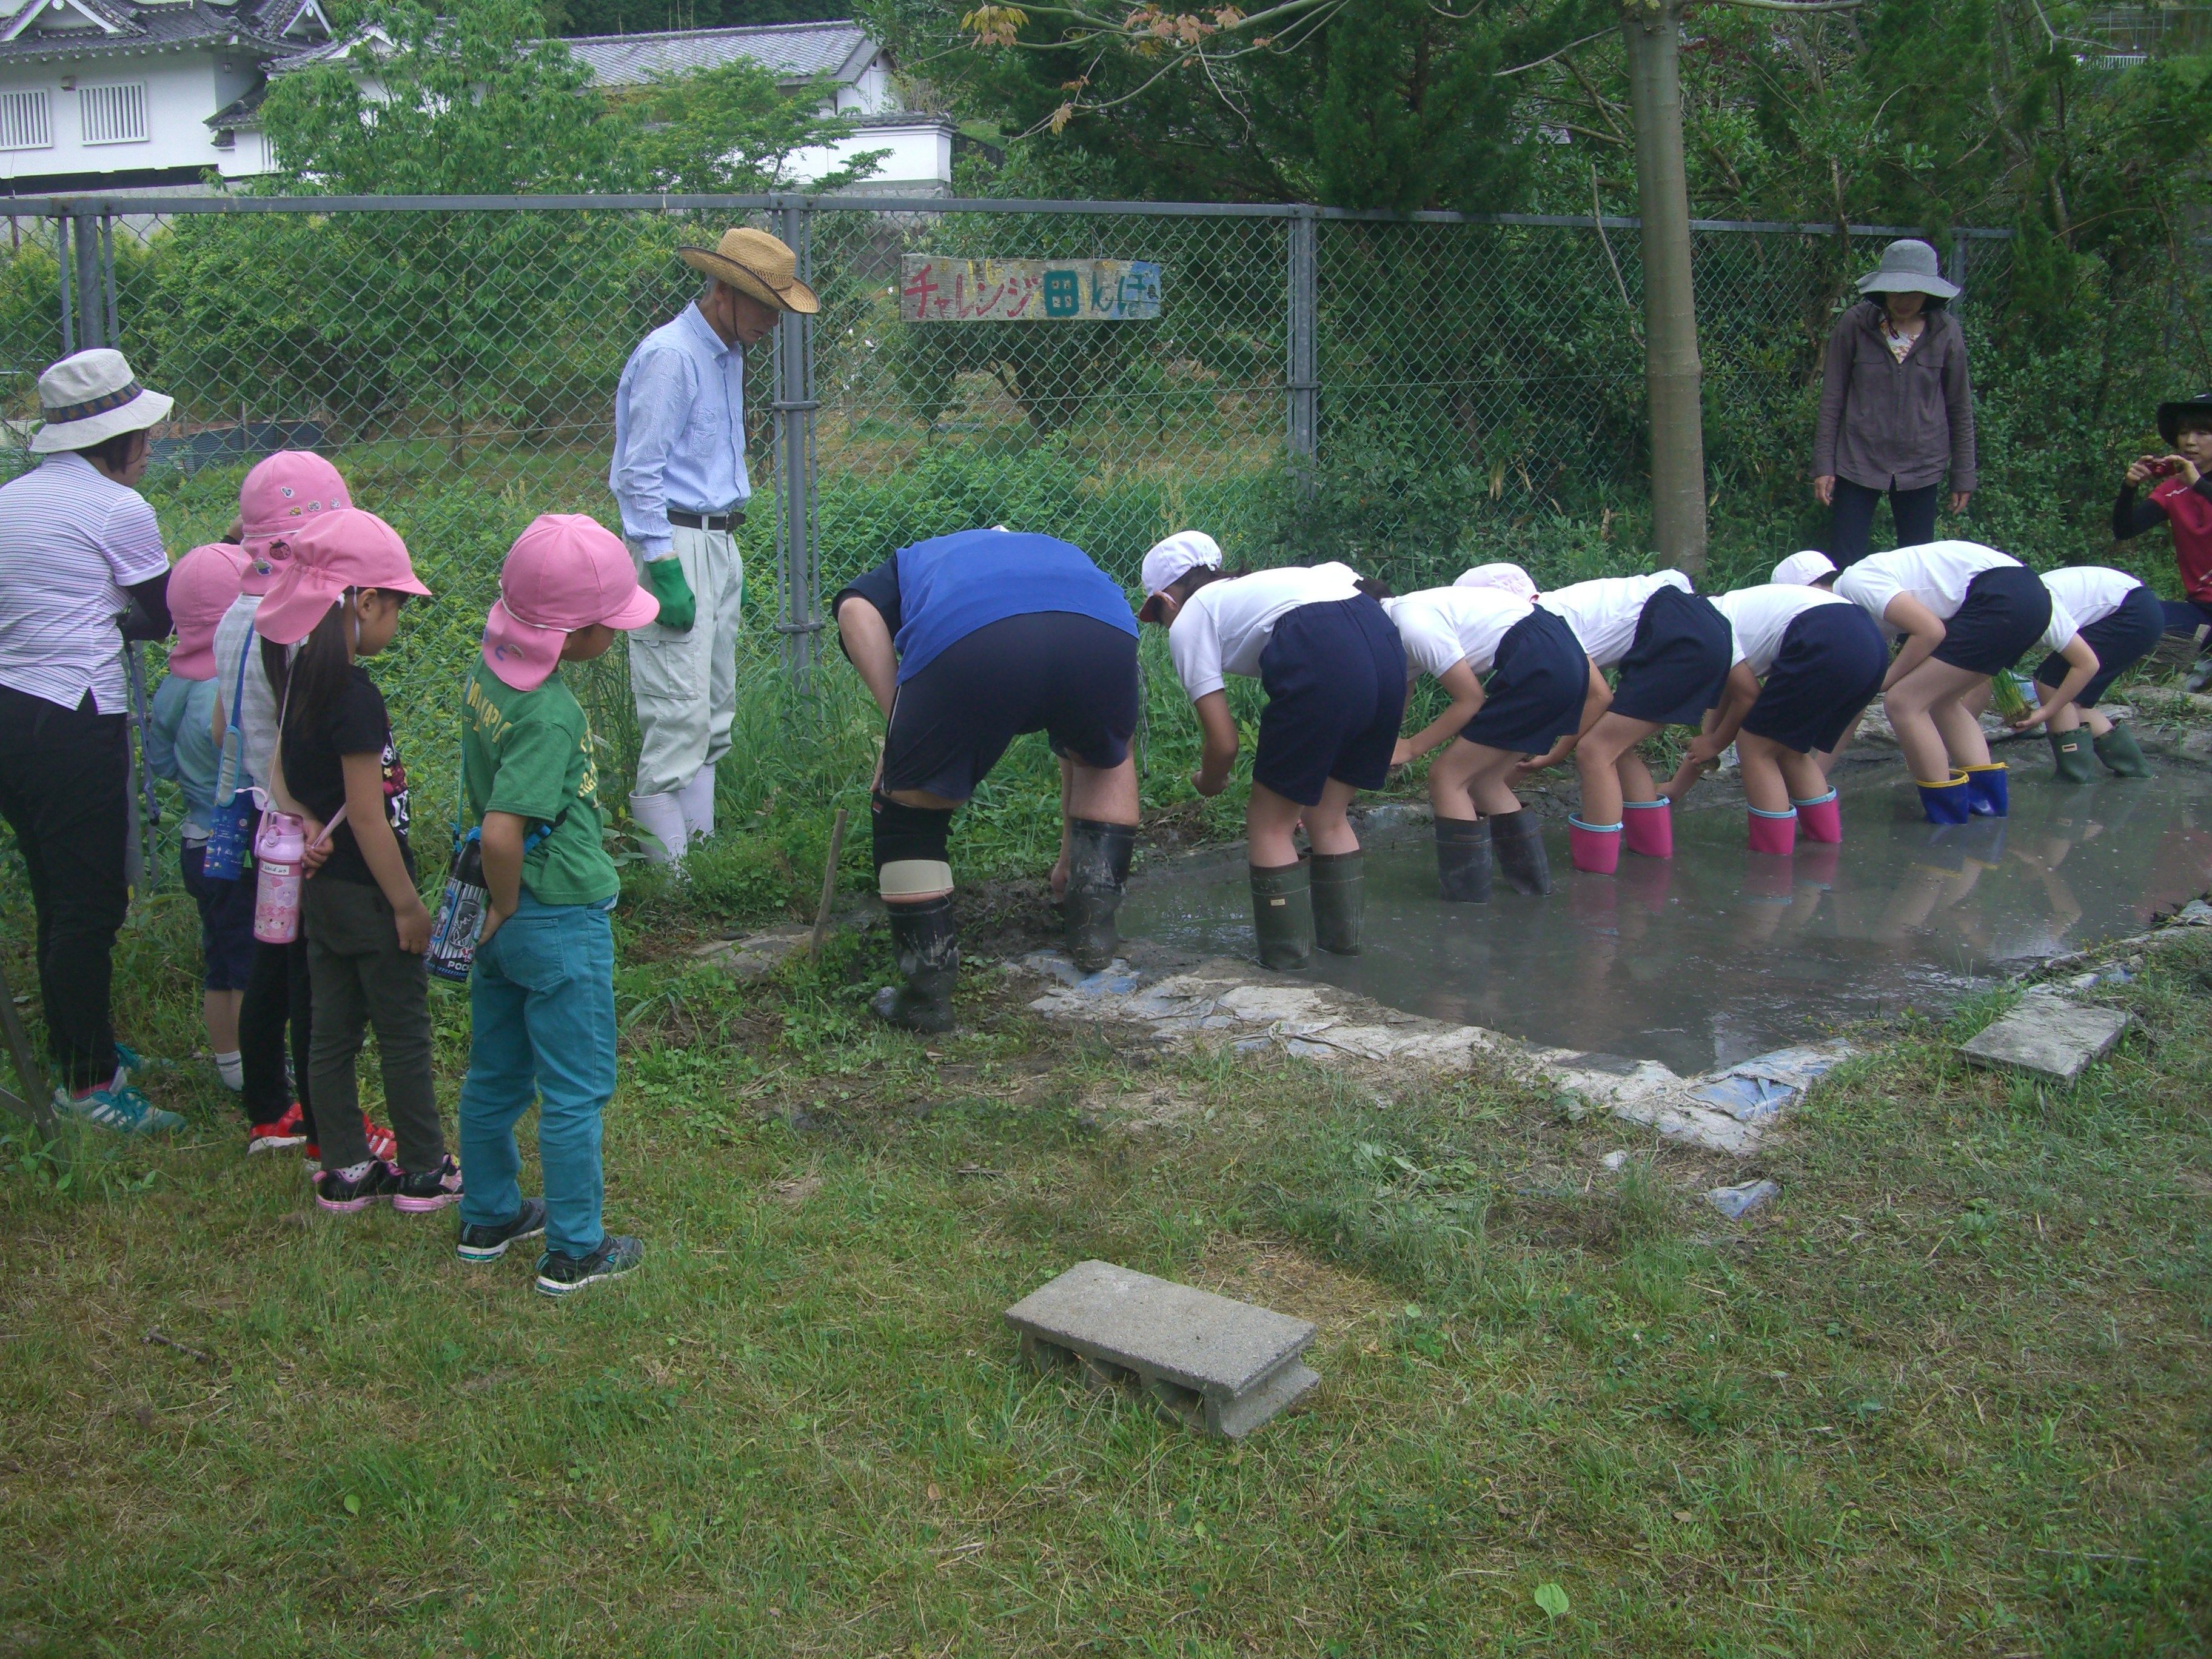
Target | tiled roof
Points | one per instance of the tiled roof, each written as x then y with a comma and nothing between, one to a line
252,28
793,52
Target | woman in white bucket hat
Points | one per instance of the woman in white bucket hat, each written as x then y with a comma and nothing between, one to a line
82,570
1896,406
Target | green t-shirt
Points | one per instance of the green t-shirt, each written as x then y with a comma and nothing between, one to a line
529,753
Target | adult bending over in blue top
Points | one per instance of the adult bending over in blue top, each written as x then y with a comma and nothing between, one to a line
966,641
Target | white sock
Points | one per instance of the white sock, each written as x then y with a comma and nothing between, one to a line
233,1070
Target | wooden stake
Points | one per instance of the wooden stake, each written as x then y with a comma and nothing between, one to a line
828,887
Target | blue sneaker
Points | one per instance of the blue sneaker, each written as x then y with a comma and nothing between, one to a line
560,1275
118,1107
130,1063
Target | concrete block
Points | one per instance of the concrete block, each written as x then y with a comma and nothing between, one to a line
756,956
2047,1035
1217,1366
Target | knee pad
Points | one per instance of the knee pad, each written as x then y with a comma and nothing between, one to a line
910,849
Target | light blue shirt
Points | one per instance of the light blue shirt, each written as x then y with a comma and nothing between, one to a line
181,746
679,430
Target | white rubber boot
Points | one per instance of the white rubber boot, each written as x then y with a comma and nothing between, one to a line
661,817
697,799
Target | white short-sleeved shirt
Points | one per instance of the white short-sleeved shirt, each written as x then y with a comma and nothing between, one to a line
1759,616
256,715
2090,592
1603,614
1441,627
1224,627
1937,574
71,539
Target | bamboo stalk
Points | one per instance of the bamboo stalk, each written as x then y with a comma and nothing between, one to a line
828,887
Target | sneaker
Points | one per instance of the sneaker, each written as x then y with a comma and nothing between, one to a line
430,1190
2200,677
130,1063
289,1130
382,1143
345,1192
117,1106
490,1244
560,1275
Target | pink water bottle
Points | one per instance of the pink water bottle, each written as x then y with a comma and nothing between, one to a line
280,850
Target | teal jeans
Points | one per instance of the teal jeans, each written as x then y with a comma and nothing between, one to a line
542,1007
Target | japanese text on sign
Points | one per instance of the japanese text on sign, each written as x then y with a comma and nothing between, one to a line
940,290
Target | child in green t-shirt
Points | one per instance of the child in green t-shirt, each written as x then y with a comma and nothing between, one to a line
542,994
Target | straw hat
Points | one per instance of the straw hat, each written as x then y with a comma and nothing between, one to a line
753,262
91,397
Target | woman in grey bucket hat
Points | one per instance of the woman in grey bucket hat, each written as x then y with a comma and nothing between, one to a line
1897,407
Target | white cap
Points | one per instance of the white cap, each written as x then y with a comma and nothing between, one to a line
1803,570
1507,578
1173,559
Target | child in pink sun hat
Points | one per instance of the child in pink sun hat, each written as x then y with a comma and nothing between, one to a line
339,599
182,745
542,994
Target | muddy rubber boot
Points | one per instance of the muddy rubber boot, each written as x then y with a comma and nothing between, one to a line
2118,750
1463,859
1339,900
1283,916
1517,841
1989,792
2069,755
1097,876
926,945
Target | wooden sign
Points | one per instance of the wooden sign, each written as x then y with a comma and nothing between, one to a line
940,290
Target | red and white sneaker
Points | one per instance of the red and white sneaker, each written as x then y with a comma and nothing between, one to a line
289,1130
382,1143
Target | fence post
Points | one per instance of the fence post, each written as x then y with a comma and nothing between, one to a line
1957,263
1299,377
62,260
91,297
798,581
108,273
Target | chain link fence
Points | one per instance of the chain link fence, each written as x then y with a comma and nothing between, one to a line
1311,382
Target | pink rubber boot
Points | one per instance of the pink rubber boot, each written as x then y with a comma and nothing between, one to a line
1596,847
1648,827
1821,818
1773,832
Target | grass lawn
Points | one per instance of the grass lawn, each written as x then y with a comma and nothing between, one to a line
1948,1394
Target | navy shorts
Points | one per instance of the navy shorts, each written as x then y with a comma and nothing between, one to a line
1679,661
1829,668
1335,674
2186,617
2006,611
1070,677
1538,683
227,942
2120,640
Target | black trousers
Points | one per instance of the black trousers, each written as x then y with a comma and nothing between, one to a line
65,790
1850,521
277,999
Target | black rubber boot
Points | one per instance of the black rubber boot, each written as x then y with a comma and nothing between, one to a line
1518,840
1339,900
2118,750
926,944
1463,859
2069,755
1097,876
1283,916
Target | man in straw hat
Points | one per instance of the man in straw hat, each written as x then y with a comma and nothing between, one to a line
679,475
82,570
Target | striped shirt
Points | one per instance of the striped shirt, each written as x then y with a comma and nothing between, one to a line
71,539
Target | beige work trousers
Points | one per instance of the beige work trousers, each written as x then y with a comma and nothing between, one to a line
685,685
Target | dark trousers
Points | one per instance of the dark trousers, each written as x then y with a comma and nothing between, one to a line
1850,521
64,789
278,998
362,979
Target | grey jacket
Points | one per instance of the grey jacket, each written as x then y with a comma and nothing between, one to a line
1890,425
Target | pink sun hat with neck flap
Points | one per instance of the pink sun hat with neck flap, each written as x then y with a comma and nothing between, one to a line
566,571
337,551
202,584
280,495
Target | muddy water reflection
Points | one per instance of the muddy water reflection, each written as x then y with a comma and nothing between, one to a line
1717,955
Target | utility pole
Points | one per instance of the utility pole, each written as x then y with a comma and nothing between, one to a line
1674,377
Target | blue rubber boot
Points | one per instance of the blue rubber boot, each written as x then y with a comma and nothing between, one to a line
1988,795
1945,803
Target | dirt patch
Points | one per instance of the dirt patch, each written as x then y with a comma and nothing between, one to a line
1139,1111
1284,1277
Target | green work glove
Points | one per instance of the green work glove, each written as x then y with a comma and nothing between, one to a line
679,610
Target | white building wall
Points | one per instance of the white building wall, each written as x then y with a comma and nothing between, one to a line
183,89
920,154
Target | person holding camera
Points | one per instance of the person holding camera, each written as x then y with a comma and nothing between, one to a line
81,571
2181,499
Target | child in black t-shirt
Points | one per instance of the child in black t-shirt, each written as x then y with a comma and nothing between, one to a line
338,601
